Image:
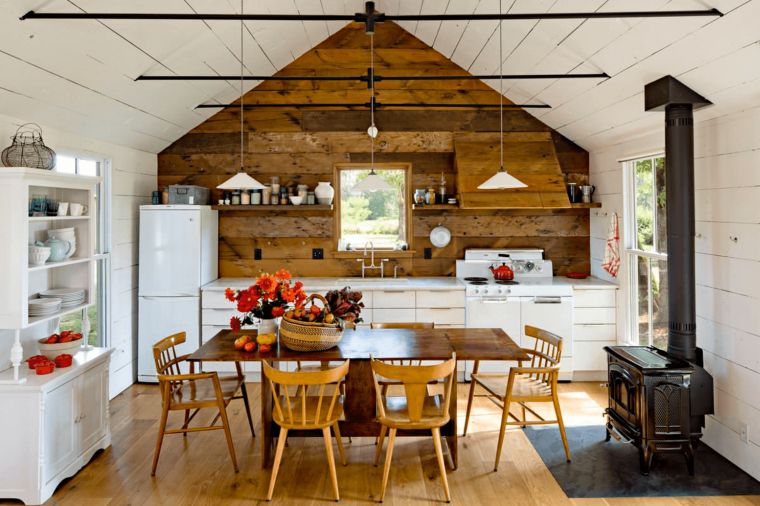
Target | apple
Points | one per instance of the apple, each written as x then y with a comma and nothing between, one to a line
265,348
249,346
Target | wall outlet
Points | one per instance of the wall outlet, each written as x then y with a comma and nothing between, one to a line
317,254
257,253
744,432
428,253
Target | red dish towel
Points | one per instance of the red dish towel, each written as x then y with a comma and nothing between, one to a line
611,262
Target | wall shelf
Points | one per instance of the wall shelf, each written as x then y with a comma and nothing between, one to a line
33,320
54,265
585,205
303,208
436,207
58,218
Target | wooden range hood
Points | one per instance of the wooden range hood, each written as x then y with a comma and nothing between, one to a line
529,156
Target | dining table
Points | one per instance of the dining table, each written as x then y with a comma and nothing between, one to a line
358,345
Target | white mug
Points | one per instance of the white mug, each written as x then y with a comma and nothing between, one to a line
77,209
63,208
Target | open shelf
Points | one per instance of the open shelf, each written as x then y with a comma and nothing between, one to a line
303,208
58,218
33,320
436,207
585,205
54,265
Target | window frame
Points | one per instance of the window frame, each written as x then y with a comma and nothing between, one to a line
631,250
406,167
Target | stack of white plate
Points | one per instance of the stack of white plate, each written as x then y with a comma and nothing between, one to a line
44,307
69,297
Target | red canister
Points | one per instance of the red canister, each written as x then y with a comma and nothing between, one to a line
45,367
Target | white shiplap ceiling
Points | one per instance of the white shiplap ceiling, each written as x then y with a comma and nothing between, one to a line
79,75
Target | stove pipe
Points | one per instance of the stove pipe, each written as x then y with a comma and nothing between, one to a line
678,102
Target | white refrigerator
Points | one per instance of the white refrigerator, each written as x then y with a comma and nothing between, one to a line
178,255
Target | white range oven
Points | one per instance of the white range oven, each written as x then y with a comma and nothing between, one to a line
532,298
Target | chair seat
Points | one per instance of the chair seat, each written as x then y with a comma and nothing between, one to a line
397,414
524,387
191,393
312,402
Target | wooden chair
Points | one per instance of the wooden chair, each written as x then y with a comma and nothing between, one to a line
385,383
192,392
415,410
305,412
536,383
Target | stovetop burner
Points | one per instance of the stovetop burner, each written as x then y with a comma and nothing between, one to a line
506,282
478,283
475,278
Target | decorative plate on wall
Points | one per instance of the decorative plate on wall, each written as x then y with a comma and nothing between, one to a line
440,236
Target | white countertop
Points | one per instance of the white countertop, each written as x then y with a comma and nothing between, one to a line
411,283
82,359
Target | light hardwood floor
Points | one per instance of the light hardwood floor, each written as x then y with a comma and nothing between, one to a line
196,470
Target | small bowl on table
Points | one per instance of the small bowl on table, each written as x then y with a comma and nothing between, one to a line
296,200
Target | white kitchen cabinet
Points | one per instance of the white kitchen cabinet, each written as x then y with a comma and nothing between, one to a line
439,298
388,315
393,299
53,426
594,327
441,315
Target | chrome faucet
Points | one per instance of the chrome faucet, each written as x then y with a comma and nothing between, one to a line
371,265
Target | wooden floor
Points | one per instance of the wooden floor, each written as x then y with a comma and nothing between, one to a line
196,470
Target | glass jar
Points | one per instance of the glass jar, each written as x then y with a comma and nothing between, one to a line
419,196
266,194
235,197
310,198
256,197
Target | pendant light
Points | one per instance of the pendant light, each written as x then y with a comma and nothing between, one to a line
373,182
502,180
241,180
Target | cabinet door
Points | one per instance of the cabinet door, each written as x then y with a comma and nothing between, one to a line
60,429
92,402
393,315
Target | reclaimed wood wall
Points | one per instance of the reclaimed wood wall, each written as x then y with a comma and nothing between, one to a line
301,145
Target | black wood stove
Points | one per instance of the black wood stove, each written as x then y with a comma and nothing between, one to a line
658,400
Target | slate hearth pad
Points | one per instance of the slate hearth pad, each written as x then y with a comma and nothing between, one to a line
611,469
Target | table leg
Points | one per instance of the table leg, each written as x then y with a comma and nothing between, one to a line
359,406
452,438
267,440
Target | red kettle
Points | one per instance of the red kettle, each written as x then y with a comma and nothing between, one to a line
502,272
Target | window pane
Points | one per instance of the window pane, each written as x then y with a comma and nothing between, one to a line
643,180
642,298
87,167
65,164
73,321
659,278
376,217
662,237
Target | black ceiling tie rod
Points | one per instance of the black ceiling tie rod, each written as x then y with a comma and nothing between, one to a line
366,78
369,21
377,105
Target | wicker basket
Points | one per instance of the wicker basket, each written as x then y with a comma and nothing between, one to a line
309,336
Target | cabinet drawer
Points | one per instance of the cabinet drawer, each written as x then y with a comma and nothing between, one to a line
590,356
441,316
604,332
594,315
594,298
122,354
384,315
214,299
397,299
440,298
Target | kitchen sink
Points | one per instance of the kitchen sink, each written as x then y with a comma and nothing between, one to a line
367,281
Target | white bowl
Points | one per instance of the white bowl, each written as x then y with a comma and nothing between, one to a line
295,200
53,350
38,255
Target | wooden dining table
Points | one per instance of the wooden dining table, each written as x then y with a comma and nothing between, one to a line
359,404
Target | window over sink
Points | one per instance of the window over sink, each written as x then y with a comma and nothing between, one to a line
382,217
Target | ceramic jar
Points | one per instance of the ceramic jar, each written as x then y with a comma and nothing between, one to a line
324,193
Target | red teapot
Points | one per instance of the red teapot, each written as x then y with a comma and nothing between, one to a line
502,272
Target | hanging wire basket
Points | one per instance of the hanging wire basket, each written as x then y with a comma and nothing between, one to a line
27,149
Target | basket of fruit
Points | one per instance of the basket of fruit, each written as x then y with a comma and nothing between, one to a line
314,328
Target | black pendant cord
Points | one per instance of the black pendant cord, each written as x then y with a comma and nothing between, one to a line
368,105
501,98
377,78
372,102
242,91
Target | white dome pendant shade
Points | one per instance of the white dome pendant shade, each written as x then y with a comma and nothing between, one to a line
372,183
502,180
241,181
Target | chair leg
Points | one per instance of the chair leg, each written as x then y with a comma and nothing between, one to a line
161,429
380,439
341,450
331,461
277,459
384,391
228,433
469,406
561,424
187,422
388,458
244,393
522,405
441,464
502,430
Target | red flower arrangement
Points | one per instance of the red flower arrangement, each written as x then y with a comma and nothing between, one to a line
268,298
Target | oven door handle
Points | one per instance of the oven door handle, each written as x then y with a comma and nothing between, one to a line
495,300
547,300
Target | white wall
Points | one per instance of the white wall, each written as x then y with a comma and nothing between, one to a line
727,182
133,179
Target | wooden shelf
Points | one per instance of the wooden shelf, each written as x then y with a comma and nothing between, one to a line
436,207
303,208
585,205
58,218
54,265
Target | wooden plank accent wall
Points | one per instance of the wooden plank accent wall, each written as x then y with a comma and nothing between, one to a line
301,146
